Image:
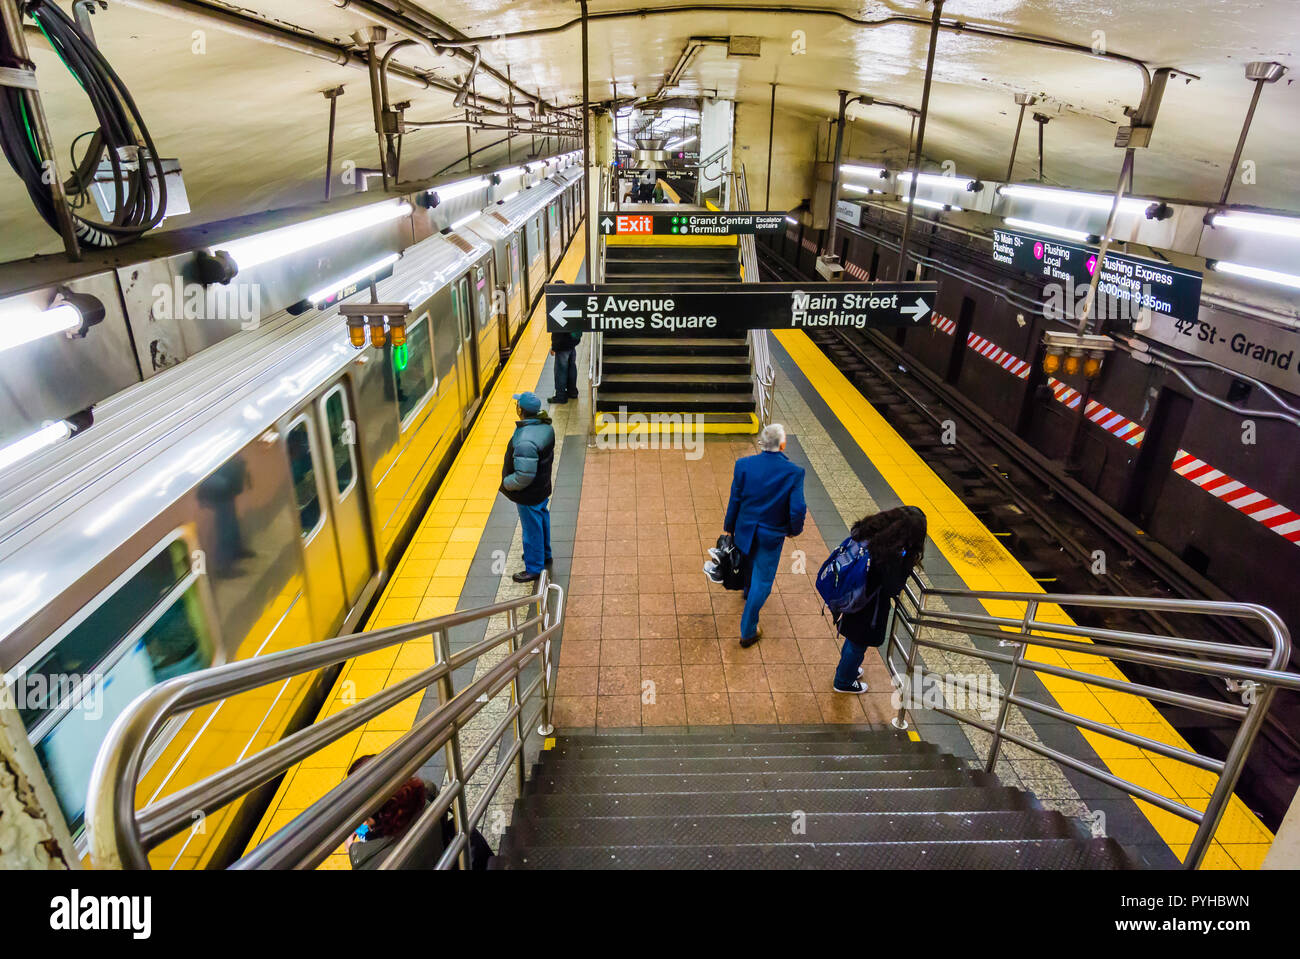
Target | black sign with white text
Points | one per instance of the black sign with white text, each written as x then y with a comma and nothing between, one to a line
724,308
1128,285
686,223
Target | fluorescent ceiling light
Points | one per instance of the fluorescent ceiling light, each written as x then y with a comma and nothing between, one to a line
1258,223
624,144
681,143
1047,228
1084,201
791,219
931,204
513,171
938,179
255,250
509,196
351,278
27,323
1256,273
450,191
25,446
854,188
463,220
877,172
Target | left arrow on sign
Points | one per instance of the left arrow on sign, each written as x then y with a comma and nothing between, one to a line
916,312
562,316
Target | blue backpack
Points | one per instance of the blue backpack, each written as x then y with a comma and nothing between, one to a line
842,580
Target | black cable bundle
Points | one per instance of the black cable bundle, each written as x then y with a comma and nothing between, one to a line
137,209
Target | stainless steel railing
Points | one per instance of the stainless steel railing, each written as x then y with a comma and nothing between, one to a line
122,835
759,344
1262,670
596,274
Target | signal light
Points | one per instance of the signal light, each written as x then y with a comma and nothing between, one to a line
1092,366
1051,362
1071,364
378,335
357,331
397,334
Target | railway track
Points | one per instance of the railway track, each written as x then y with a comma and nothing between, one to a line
1054,532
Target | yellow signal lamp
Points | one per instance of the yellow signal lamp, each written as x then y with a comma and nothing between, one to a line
397,332
378,333
1072,362
1092,365
1051,362
357,331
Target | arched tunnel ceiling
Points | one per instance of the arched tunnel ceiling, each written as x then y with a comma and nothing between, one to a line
248,120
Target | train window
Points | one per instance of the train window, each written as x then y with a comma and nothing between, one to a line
514,264
482,292
415,375
150,628
342,439
302,465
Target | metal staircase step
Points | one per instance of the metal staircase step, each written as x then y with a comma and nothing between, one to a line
545,782
793,825
658,365
688,765
616,344
886,800
620,381
676,402
1020,854
738,750
878,737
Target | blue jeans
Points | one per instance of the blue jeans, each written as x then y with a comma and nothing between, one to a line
566,373
535,522
851,657
760,571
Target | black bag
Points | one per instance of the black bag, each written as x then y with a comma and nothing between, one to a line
729,563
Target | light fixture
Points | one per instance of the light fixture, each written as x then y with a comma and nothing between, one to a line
71,314
1049,229
681,143
1073,352
854,188
1255,273
1083,201
931,204
624,144
451,191
878,172
463,220
509,196
792,220
1258,223
34,442
352,278
939,179
273,244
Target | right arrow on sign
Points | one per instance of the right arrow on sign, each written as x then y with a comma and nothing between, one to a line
562,316
917,312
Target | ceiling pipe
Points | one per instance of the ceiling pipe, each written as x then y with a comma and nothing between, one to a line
1258,72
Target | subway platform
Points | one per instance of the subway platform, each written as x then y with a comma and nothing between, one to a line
650,645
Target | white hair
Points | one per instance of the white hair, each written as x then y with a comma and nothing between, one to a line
771,437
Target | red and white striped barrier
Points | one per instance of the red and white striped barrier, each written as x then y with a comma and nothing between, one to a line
943,324
991,351
1281,520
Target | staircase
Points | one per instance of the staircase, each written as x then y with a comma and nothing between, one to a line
846,798
711,376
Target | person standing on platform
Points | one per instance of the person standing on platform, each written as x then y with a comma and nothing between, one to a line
564,347
526,482
766,506
895,541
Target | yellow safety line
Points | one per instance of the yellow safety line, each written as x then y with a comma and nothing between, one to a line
984,564
428,580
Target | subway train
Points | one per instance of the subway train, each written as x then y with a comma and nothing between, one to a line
250,499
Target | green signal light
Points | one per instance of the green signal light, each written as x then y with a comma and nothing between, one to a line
401,356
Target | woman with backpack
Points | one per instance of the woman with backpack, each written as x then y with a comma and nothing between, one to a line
895,544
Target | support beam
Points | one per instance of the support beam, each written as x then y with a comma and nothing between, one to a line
920,140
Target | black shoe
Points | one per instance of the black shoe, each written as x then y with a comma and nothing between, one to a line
857,689
573,395
556,400
746,643
523,576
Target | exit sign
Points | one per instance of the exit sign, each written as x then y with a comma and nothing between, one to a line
634,224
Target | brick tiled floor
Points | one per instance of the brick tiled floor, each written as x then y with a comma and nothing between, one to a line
649,641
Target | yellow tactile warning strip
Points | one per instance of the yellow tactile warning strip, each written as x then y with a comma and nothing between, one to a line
428,580
984,564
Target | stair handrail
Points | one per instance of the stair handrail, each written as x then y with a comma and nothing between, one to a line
1021,632
121,835
596,358
764,371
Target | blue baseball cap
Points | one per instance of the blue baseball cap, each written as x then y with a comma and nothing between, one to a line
529,402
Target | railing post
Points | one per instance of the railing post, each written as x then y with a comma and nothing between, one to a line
549,616
900,721
1232,766
447,692
512,619
1031,609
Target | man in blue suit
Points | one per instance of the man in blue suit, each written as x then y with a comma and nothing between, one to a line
766,506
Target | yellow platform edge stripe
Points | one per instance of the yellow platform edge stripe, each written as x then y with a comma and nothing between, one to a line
438,561
1241,840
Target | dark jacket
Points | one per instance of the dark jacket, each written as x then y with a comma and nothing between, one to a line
370,852
526,473
766,490
562,341
868,626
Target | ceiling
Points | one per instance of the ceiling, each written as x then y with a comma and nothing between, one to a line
248,120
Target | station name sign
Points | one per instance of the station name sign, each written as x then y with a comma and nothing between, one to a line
733,308
613,223
1130,288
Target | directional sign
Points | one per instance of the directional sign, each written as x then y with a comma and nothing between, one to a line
1131,284
704,308
614,223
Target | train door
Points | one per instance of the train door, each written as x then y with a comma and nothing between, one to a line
488,335
467,352
339,441
518,293
323,565
554,240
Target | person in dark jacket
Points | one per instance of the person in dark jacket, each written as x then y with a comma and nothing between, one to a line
370,845
895,541
765,507
564,347
526,482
